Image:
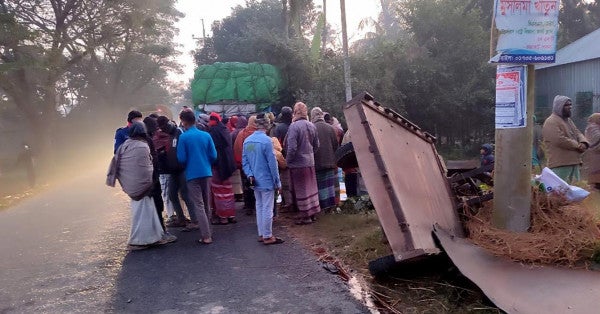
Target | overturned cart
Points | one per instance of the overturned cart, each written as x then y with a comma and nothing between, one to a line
415,203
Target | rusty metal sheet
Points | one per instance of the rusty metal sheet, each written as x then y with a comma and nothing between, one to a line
517,288
404,176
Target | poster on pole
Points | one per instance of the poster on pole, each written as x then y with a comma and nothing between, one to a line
511,99
527,31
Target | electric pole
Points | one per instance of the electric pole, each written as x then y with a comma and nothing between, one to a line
347,82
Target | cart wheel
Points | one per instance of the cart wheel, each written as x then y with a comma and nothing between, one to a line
382,266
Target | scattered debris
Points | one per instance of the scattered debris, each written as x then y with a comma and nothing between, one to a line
330,267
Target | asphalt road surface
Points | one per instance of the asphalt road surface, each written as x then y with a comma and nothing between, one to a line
64,250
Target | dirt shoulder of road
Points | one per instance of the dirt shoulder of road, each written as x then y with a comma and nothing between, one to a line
350,241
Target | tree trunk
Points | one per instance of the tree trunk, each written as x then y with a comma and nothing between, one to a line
286,18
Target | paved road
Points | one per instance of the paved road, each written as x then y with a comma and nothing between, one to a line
64,251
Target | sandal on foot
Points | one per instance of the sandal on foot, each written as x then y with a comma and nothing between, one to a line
232,220
190,227
205,241
273,240
260,239
304,222
220,222
135,247
176,224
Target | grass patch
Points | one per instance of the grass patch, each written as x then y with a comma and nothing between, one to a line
355,238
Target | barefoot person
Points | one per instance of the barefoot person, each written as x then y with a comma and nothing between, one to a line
260,165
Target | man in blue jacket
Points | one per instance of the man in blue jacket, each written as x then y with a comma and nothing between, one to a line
121,134
260,165
196,150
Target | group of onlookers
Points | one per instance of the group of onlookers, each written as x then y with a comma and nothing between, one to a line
565,150
208,161
564,145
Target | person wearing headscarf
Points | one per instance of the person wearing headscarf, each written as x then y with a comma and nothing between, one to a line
231,123
563,141
339,131
133,169
325,163
591,158
241,124
236,179
301,144
271,123
280,131
202,122
222,200
238,147
337,126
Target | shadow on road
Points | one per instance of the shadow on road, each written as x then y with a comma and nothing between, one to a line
235,274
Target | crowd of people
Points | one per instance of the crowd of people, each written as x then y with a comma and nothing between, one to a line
562,147
209,161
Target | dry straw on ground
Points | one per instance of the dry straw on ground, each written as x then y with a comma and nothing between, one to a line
560,234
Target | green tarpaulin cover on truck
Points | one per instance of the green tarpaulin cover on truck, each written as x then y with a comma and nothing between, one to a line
247,82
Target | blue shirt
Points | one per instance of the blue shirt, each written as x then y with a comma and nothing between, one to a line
258,161
196,150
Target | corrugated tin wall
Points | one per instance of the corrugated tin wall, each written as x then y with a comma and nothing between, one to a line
569,80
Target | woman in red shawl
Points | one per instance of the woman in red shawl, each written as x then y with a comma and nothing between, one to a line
223,200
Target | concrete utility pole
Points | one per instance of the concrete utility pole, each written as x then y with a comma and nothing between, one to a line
347,82
512,170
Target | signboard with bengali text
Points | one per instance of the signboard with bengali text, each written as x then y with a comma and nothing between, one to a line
527,31
511,106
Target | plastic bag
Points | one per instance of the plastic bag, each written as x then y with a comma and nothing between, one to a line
553,183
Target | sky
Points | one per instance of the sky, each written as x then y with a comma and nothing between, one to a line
213,10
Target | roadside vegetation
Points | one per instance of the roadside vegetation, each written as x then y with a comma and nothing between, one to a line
352,237
68,64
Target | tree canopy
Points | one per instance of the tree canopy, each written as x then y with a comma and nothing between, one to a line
60,54
426,59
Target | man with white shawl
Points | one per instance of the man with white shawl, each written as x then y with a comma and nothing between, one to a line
132,166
